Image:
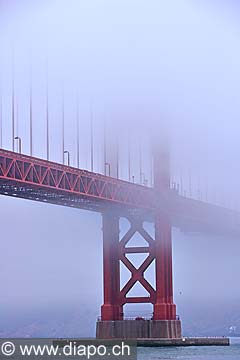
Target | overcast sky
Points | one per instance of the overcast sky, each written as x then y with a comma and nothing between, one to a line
141,66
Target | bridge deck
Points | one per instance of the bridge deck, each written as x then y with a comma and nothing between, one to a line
41,180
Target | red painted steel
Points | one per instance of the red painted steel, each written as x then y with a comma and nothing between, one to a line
42,175
164,308
111,309
116,250
137,274
158,249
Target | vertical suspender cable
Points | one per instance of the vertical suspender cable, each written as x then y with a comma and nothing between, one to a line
13,104
47,113
129,160
78,142
1,119
91,130
117,151
104,147
63,128
140,163
30,117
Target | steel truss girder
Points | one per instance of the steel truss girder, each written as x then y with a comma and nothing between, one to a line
32,172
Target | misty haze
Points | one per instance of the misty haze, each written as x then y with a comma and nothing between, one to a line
121,74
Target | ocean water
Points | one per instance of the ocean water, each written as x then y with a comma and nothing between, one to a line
231,352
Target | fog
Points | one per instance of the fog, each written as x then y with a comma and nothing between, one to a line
139,68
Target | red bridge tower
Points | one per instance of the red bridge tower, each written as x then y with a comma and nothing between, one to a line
164,323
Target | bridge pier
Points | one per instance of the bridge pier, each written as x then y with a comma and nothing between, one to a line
163,323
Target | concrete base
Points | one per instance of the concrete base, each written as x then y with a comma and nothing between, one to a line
139,329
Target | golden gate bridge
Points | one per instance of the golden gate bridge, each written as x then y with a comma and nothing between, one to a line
159,202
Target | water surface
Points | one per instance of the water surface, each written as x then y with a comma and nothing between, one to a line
231,352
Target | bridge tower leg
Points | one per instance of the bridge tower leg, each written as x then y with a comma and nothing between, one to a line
111,309
164,308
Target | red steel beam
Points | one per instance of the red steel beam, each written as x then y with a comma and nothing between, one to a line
30,171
